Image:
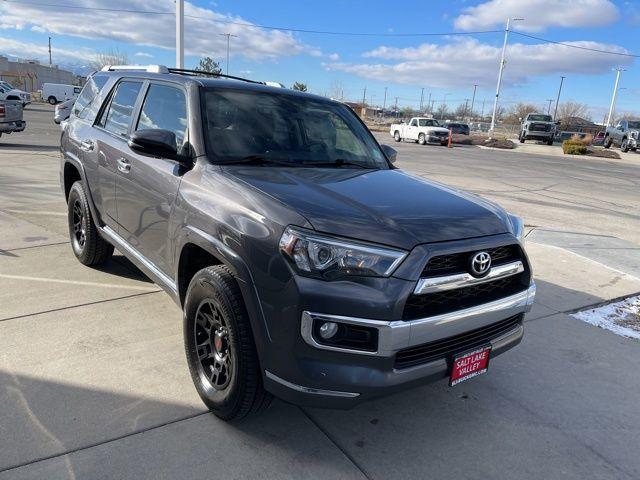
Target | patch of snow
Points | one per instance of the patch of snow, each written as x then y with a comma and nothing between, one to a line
622,318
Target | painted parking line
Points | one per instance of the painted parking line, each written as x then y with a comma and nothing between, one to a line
77,282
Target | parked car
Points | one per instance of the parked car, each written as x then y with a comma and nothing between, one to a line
537,126
62,111
59,92
24,96
598,139
283,230
11,115
458,127
624,135
420,129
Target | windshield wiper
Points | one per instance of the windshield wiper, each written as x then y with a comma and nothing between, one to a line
261,160
338,162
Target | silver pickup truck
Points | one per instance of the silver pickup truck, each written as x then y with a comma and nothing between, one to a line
624,134
11,116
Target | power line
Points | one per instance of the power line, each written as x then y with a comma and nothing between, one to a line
267,27
570,45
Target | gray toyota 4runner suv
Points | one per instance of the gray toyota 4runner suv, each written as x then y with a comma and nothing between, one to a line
306,265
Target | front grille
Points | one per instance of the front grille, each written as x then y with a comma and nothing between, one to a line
458,262
539,127
437,303
450,346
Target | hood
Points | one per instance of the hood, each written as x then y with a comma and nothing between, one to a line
388,207
438,129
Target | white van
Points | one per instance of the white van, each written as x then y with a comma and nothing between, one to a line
59,92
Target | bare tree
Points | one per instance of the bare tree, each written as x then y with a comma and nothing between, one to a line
442,110
112,56
302,87
336,91
208,65
573,109
519,111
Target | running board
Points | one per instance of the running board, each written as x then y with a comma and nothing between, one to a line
140,261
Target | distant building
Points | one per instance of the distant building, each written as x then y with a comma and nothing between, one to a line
579,125
29,75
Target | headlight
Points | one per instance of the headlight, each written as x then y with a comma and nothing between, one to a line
517,227
329,257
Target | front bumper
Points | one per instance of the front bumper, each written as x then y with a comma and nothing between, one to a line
10,127
339,379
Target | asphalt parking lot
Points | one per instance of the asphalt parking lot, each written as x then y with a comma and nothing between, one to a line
94,383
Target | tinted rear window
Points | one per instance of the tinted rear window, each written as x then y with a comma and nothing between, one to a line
117,118
87,104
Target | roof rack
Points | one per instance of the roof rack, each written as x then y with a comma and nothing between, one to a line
139,68
199,73
179,71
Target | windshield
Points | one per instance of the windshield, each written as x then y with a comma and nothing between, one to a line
539,118
428,122
634,124
242,125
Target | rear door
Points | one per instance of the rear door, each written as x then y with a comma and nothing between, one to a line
108,143
146,187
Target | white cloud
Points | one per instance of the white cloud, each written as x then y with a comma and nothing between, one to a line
464,62
334,57
28,50
143,54
202,34
538,14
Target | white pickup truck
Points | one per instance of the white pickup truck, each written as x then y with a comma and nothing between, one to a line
420,129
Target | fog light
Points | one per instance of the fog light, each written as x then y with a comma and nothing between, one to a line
328,330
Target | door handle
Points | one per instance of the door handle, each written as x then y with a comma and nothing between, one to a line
124,165
87,145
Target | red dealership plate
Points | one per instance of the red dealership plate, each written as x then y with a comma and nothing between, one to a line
469,364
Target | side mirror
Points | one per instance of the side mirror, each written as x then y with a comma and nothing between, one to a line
390,152
154,143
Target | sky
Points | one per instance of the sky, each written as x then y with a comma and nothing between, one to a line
456,45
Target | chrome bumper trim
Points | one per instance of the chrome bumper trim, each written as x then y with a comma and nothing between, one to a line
313,391
461,280
396,335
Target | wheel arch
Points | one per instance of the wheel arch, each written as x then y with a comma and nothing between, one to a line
198,249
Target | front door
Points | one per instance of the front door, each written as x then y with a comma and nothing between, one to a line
146,187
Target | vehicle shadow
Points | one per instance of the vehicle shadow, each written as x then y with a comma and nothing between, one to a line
121,266
29,147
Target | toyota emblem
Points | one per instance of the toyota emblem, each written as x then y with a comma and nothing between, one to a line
480,264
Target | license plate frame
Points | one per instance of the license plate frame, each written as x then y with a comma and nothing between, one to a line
469,364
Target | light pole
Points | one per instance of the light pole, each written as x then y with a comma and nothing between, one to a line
502,63
228,35
550,100
473,98
384,102
444,102
421,100
179,33
613,97
555,113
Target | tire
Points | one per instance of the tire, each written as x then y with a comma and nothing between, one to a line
219,345
607,142
624,146
550,142
396,136
87,244
421,139
522,137
52,100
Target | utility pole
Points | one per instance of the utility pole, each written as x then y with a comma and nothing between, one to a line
384,102
555,113
482,114
429,103
466,105
613,98
473,98
550,100
421,99
364,98
179,33
228,35
500,70
50,51
396,107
